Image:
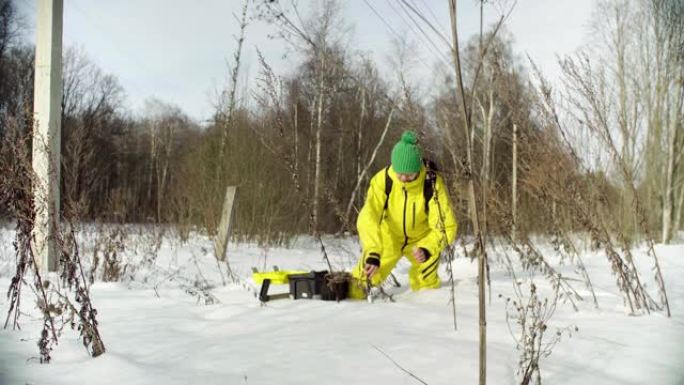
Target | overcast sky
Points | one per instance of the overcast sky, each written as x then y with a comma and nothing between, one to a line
179,51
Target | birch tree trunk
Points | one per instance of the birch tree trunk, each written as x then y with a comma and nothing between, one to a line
319,129
487,117
359,143
674,62
514,183
153,156
678,215
168,148
668,199
310,150
340,154
359,133
360,177
296,139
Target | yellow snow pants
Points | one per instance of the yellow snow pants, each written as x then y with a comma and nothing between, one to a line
421,275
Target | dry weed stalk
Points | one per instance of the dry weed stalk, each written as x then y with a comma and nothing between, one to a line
16,191
531,315
272,99
73,277
109,248
532,259
573,196
579,197
564,246
585,95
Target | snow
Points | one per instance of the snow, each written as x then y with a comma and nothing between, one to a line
157,333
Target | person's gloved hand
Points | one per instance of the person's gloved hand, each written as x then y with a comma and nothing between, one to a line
420,254
372,264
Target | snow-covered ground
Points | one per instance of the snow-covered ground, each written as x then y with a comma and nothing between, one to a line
157,333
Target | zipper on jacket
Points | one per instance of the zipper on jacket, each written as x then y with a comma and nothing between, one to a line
414,216
405,234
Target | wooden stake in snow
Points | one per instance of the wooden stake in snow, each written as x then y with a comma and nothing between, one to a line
223,235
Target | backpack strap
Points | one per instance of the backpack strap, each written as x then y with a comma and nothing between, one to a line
428,186
430,181
388,188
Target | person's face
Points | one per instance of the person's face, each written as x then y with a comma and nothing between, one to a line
405,178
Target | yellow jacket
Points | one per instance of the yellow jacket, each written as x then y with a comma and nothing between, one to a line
405,220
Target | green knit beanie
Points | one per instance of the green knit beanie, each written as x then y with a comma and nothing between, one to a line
406,155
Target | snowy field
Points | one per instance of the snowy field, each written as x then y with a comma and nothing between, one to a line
156,332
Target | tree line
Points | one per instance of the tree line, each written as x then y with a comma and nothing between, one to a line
603,150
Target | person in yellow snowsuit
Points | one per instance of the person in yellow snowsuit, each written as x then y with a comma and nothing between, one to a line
414,220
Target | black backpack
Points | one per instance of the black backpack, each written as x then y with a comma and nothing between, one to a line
428,186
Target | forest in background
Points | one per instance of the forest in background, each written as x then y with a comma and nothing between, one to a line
602,152
599,156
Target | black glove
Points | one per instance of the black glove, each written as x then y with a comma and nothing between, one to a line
373,259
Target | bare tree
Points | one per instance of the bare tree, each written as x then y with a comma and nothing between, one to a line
228,116
362,175
318,38
90,102
9,29
164,123
591,99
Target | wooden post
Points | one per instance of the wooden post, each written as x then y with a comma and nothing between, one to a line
225,227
